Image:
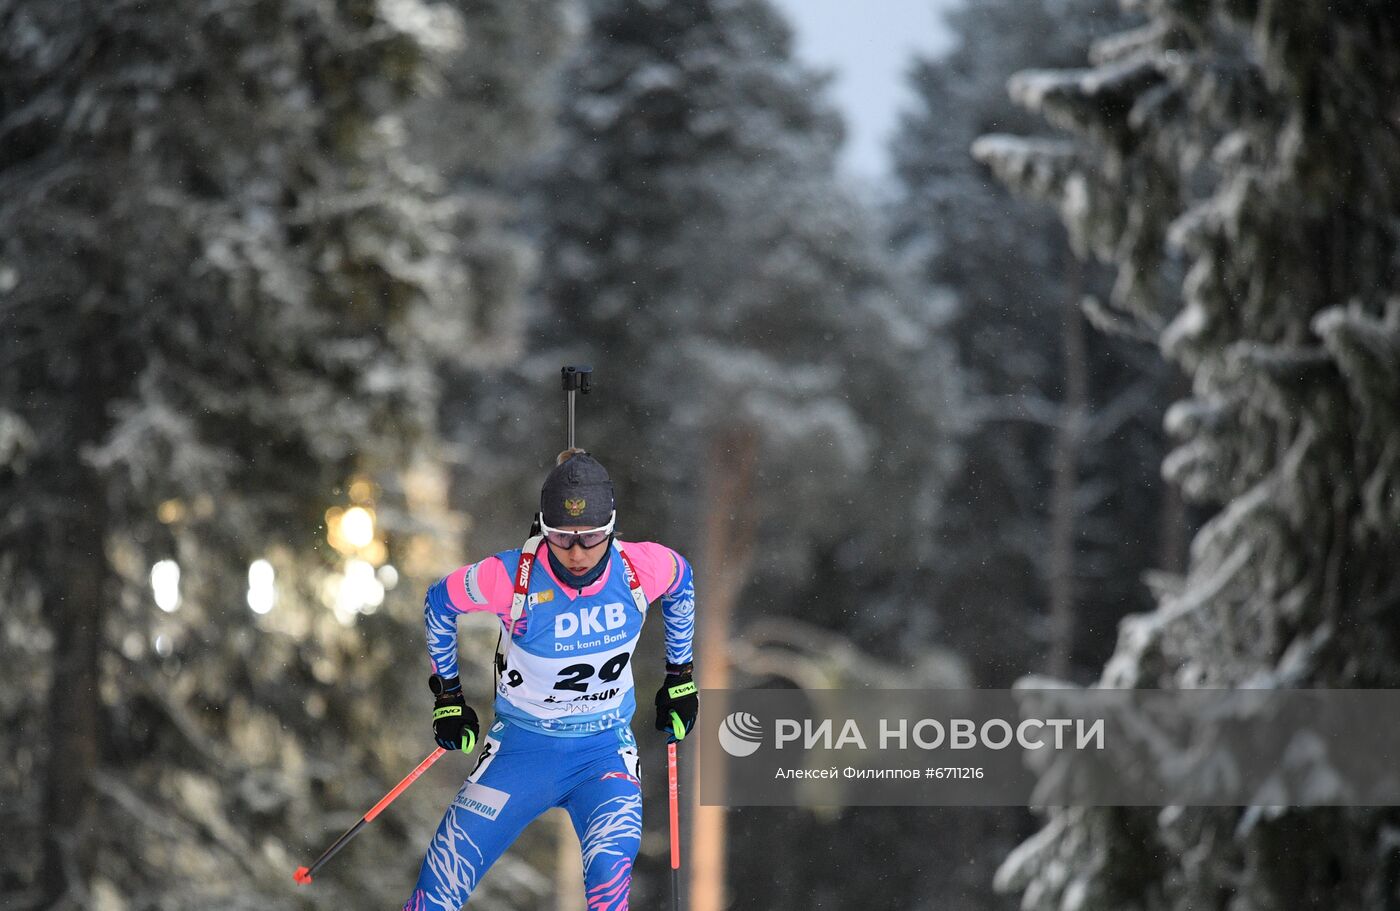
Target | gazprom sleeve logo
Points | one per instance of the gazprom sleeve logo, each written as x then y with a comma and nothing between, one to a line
740,734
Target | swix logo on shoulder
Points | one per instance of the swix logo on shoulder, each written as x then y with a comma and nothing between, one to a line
522,575
629,574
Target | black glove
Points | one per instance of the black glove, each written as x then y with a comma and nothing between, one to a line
455,725
677,702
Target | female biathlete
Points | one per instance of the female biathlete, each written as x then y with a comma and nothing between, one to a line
571,604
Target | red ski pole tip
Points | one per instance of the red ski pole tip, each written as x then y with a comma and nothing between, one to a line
302,875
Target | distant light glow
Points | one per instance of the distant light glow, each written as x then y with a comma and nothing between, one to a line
133,645
357,591
261,593
361,490
388,576
357,526
164,646
165,585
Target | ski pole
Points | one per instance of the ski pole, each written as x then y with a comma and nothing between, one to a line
675,826
303,874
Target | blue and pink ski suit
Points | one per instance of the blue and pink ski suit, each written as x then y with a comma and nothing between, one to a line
564,701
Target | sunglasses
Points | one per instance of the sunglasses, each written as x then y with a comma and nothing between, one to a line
589,537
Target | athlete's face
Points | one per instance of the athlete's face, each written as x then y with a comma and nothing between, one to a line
578,559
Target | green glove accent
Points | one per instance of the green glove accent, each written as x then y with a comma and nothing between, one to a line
455,724
684,689
677,703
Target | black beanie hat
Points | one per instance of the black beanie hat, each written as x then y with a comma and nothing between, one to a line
577,492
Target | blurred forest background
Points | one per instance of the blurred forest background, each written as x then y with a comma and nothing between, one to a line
1107,391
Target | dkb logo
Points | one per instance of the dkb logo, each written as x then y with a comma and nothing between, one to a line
589,620
740,734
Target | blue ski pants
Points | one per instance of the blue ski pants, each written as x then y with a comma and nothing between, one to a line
520,774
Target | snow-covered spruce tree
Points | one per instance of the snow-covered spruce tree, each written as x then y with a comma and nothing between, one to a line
1065,432
1238,163
491,111
224,285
